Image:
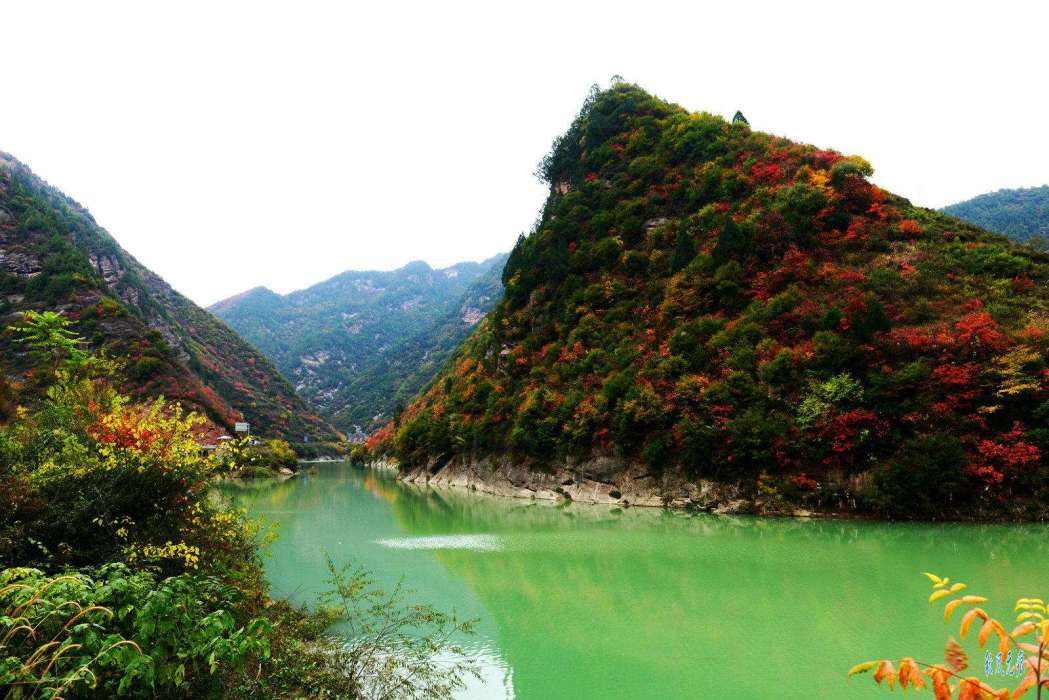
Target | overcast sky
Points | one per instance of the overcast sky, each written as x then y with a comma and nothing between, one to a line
229,144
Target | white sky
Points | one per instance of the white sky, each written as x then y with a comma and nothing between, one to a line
231,144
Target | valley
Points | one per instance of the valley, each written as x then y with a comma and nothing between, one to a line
731,419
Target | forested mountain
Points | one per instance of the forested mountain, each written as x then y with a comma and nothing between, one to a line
53,256
1020,214
701,299
359,342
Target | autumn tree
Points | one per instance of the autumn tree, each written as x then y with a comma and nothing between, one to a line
1025,647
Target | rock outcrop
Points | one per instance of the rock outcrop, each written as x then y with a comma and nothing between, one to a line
600,481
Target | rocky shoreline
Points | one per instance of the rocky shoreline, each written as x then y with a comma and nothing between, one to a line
600,481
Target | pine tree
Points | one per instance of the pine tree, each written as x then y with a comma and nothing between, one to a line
733,243
684,252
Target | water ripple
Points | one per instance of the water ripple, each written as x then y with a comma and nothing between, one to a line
478,543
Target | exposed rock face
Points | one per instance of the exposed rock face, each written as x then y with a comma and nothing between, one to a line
601,481
109,267
19,263
472,315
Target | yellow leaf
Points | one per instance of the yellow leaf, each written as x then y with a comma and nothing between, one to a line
950,608
957,587
932,577
862,668
974,599
936,595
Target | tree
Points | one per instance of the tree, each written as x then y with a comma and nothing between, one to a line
684,251
733,243
1016,649
395,648
7,400
48,336
847,168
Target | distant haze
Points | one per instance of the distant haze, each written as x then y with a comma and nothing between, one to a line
233,144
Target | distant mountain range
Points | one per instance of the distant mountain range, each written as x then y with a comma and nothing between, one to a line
361,342
54,256
1020,214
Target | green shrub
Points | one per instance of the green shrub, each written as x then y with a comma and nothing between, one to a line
926,477
120,633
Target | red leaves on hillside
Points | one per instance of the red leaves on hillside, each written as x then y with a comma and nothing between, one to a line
855,307
826,159
979,329
1022,284
1007,456
380,436
844,432
955,376
766,174
124,432
910,228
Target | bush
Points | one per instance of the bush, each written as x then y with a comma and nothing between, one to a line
121,633
248,458
926,478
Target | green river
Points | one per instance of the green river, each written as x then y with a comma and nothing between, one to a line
579,601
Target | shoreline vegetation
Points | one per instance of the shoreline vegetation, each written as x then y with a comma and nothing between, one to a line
121,575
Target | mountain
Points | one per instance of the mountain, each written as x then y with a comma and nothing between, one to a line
1020,214
702,301
359,342
54,256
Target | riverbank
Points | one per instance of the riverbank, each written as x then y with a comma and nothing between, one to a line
613,482
606,481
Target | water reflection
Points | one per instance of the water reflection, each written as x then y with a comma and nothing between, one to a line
591,601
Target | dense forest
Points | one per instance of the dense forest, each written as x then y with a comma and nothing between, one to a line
701,299
1022,214
53,256
361,343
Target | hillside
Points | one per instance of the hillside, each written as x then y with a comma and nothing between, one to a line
702,301
359,342
1020,214
54,256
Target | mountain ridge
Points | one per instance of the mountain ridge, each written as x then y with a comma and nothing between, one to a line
55,256
353,341
1022,213
703,301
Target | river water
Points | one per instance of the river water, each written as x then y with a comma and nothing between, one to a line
578,601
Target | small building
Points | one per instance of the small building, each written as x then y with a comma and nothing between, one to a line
241,428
